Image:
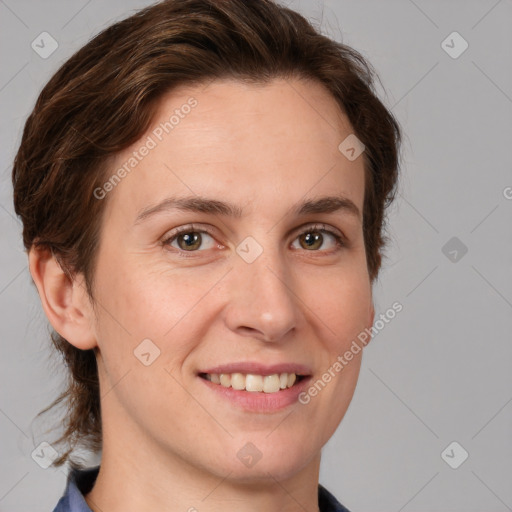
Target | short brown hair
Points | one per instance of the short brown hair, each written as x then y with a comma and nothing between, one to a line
104,98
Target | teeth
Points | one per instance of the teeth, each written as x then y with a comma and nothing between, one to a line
254,383
271,383
225,380
237,381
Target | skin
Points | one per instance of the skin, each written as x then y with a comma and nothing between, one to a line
169,442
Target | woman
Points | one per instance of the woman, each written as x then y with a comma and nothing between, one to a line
202,189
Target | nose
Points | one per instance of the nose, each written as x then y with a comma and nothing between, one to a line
262,300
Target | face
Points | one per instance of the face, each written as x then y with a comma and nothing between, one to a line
263,290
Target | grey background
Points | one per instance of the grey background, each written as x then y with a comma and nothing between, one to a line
440,371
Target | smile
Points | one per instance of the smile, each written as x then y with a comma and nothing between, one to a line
253,382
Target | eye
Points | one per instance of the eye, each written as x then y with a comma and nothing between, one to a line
313,238
189,239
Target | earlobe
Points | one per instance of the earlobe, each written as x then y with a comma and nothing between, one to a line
371,315
64,300
369,322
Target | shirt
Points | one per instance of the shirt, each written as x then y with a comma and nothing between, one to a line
81,481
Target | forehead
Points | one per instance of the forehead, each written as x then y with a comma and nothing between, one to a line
227,110
230,138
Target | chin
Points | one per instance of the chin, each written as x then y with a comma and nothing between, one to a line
261,457
267,471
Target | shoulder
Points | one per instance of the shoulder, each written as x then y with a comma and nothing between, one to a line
327,502
79,483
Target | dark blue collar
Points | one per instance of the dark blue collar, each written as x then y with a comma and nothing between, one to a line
81,481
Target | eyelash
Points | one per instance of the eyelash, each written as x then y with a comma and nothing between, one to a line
321,228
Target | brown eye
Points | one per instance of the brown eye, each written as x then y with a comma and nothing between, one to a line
190,240
311,240
314,238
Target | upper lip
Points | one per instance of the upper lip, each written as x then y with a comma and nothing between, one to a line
256,368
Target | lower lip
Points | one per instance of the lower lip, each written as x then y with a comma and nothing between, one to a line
258,401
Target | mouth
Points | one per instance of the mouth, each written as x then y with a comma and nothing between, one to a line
255,383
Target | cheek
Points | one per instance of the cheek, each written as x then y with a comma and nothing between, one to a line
340,312
153,302
340,395
151,311
341,302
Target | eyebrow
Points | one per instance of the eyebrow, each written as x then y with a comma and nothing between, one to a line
325,204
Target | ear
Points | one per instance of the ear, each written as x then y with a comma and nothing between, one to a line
65,301
371,314
369,321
